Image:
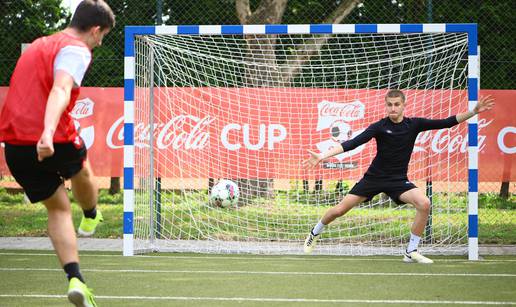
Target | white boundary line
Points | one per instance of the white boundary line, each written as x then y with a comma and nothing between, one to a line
264,299
268,272
267,257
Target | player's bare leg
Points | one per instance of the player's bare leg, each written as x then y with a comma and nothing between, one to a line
418,199
64,240
347,203
85,192
60,226
84,188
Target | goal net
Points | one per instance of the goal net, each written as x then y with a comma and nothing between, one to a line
248,107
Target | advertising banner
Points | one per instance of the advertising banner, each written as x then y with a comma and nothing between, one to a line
267,132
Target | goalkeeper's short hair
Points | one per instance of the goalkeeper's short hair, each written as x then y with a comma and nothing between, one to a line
394,94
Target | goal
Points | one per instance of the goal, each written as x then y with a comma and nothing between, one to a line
246,102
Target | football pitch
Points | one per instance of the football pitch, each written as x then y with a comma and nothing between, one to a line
34,278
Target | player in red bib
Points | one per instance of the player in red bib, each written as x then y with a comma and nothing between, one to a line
42,145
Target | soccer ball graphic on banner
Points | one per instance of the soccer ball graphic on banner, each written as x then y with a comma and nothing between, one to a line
225,193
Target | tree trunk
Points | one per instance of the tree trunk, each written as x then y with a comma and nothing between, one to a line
318,185
306,187
263,70
211,183
114,186
504,190
339,188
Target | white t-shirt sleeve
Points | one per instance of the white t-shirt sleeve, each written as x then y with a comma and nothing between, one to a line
73,60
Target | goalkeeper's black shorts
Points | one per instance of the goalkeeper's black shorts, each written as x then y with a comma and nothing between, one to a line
368,188
38,179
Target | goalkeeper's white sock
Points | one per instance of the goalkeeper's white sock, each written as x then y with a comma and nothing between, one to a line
318,228
413,243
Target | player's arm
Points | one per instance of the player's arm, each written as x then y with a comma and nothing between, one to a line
485,103
362,138
316,158
70,65
424,124
57,101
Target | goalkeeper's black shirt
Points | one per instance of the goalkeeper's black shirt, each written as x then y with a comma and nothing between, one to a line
394,144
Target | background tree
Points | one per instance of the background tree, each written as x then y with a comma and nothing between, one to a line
263,53
22,21
108,63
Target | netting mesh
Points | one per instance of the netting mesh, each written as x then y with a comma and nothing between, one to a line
248,108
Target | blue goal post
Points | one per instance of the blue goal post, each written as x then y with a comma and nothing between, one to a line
282,29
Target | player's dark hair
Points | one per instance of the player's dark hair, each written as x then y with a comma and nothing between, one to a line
92,13
394,94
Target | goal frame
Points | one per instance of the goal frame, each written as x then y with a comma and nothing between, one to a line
473,86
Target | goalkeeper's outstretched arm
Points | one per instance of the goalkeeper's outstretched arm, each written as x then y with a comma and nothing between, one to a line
485,103
316,158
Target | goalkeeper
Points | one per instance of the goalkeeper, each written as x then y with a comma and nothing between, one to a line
42,145
395,136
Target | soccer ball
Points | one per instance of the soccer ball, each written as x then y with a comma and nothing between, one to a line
340,131
225,193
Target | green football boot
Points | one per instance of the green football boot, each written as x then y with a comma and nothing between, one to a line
88,226
79,294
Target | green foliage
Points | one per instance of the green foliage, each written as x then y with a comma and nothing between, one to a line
494,201
107,68
30,220
496,39
188,12
104,197
280,216
10,198
22,21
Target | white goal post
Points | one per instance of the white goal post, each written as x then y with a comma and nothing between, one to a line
246,102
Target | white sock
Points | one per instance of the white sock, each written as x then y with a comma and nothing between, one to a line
413,243
318,228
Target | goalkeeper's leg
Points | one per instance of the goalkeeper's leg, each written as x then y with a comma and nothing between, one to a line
346,204
418,199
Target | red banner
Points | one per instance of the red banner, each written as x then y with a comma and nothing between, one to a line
265,133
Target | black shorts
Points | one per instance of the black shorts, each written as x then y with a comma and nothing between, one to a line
40,180
393,188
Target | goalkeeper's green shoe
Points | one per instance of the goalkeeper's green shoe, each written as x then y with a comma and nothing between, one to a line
79,294
310,241
88,226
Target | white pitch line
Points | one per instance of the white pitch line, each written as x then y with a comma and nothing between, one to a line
265,299
268,272
265,257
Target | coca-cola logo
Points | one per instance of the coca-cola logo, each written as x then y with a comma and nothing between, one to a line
448,140
344,111
181,132
329,112
82,113
83,108
337,117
